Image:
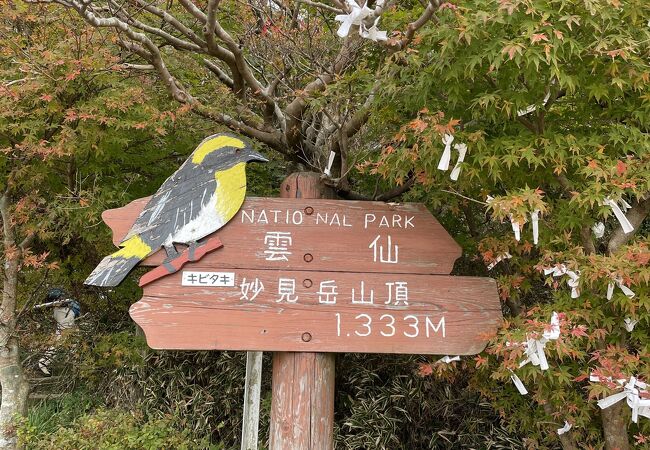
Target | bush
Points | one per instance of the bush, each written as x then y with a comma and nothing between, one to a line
110,429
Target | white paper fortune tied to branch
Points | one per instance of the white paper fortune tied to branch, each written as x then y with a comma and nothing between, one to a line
620,215
573,281
448,359
619,282
462,151
443,164
632,391
567,426
535,347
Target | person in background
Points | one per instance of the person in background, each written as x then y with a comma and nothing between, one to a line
65,310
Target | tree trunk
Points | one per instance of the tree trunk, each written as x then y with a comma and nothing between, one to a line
15,391
15,388
567,440
615,427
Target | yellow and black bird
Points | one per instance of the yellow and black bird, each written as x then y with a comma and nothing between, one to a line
198,199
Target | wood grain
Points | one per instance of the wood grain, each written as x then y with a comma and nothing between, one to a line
211,318
423,247
252,388
302,404
303,418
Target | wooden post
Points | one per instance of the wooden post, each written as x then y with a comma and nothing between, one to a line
252,388
302,407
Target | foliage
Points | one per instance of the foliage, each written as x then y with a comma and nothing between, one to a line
551,98
384,403
108,429
49,415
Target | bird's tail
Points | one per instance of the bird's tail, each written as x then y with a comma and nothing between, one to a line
114,268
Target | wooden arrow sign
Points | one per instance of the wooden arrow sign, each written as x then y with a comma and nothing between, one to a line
208,309
319,276
335,235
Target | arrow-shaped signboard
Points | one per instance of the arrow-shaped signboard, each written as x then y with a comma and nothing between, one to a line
299,234
319,276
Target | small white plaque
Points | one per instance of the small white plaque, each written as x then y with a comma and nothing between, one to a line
211,279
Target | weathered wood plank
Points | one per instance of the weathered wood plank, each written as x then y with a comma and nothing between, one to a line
322,403
305,383
252,388
322,313
311,382
321,234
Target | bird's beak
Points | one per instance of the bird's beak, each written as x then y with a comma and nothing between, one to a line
254,156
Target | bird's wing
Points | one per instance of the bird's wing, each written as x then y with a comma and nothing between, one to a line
177,202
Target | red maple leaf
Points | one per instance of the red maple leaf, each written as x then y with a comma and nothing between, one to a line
579,331
539,37
621,167
425,369
480,361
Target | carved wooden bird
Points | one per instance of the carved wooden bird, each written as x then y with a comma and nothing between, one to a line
197,200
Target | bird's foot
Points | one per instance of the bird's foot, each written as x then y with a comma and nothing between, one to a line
195,252
191,250
171,252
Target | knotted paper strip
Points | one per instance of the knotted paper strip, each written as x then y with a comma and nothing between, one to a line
534,219
462,151
373,33
630,324
620,215
515,228
632,391
500,258
530,108
624,205
518,384
447,359
535,347
573,281
447,139
330,161
599,230
619,282
567,426
356,17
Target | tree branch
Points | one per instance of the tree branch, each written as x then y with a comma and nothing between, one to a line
322,6
636,215
414,26
220,74
6,220
384,197
295,110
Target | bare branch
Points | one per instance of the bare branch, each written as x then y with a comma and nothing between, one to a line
192,9
587,240
295,110
220,74
383,197
463,196
138,66
141,45
172,40
27,242
322,6
188,32
12,82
